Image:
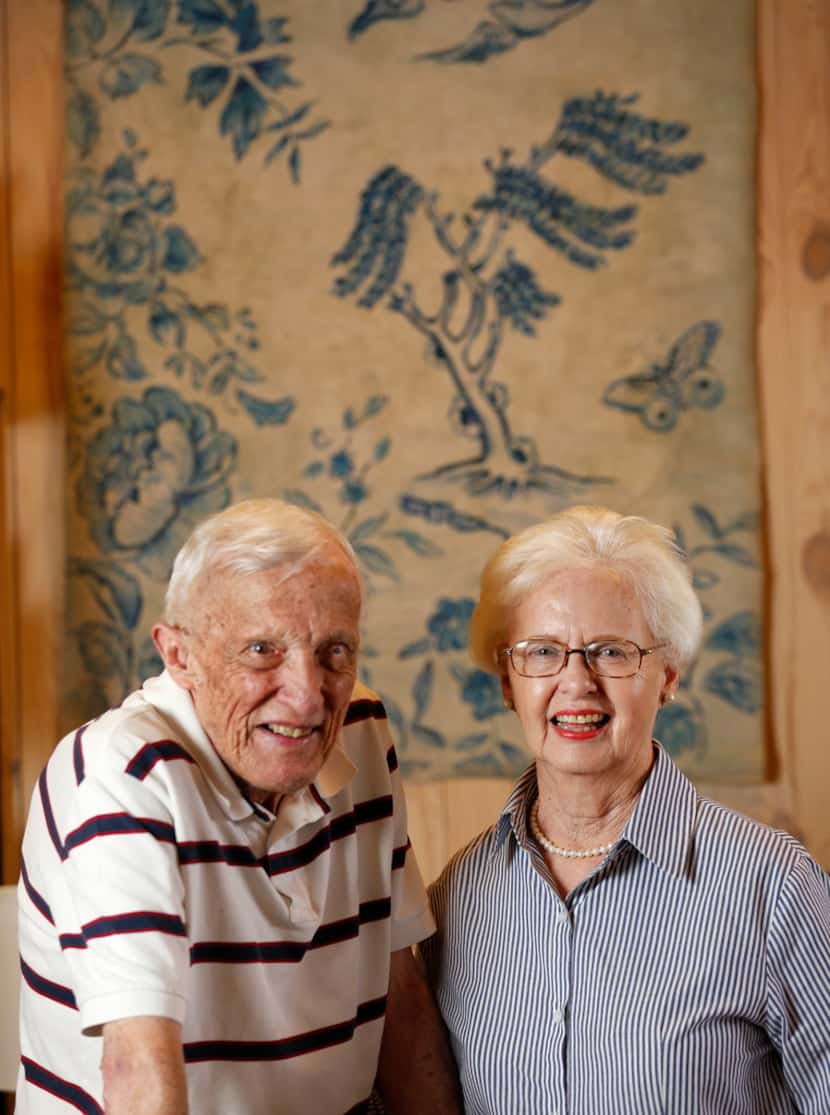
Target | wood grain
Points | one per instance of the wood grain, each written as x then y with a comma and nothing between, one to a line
33,400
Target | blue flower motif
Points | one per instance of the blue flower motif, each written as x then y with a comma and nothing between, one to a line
120,243
341,463
679,729
354,491
448,625
159,468
483,693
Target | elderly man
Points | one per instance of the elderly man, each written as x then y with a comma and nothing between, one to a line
218,897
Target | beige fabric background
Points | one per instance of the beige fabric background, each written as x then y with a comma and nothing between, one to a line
202,273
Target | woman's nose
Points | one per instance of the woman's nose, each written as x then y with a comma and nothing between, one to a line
575,673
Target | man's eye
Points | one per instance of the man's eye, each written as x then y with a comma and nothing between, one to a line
339,657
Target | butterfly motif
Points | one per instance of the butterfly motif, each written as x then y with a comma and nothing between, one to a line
683,380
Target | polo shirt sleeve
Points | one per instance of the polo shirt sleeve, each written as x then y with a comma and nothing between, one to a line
121,900
411,917
798,985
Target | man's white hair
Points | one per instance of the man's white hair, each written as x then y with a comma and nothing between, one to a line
248,537
645,554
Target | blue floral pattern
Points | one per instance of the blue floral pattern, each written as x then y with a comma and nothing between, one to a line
208,361
113,51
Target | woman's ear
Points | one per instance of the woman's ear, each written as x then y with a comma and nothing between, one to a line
506,690
671,680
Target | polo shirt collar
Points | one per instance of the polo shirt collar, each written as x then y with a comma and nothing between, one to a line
660,828
176,705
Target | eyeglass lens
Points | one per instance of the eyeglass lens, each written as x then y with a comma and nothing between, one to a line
545,657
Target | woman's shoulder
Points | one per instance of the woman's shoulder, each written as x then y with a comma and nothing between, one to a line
749,844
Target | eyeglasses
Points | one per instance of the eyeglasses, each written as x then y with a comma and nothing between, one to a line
609,658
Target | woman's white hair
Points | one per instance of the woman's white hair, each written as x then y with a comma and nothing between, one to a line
642,552
247,537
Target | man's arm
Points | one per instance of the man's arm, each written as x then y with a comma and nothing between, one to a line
416,1072
143,1067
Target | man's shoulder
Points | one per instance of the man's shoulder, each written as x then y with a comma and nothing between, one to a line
125,736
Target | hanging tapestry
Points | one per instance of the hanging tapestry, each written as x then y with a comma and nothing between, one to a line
437,268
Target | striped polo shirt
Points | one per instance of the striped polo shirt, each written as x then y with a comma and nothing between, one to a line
151,885
688,974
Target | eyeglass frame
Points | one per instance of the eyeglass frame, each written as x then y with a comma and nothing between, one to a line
642,651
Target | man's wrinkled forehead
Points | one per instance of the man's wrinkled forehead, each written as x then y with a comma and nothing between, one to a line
333,562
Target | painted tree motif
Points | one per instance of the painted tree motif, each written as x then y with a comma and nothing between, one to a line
487,289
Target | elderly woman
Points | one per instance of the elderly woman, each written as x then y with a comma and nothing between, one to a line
617,944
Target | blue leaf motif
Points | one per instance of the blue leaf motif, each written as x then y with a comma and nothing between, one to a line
150,17
205,16
376,561
181,253
429,736
103,651
739,635
242,116
160,195
737,681
82,124
411,650
367,528
422,689
206,83
382,448
739,554
295,495
116,591
246,25
123,362
127,73
273,72
416,542
85,26
166,326
266,412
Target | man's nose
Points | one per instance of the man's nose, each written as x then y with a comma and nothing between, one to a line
301,679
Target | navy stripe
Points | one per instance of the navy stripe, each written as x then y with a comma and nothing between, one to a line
376,809
399,855
48,988
118,824
48,815
72,941
282,1050
140,921
161,751
364,709
63,1089
392,760
35,896
78,755
210,851
290,952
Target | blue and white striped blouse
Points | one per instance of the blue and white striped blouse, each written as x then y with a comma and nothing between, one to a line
688,974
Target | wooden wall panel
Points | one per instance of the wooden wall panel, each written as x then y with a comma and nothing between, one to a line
32,414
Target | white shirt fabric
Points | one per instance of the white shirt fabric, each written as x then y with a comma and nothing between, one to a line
151,885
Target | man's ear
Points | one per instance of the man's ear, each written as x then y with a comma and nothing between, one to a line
172,644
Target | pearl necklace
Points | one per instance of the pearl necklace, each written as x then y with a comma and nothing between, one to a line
554,849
